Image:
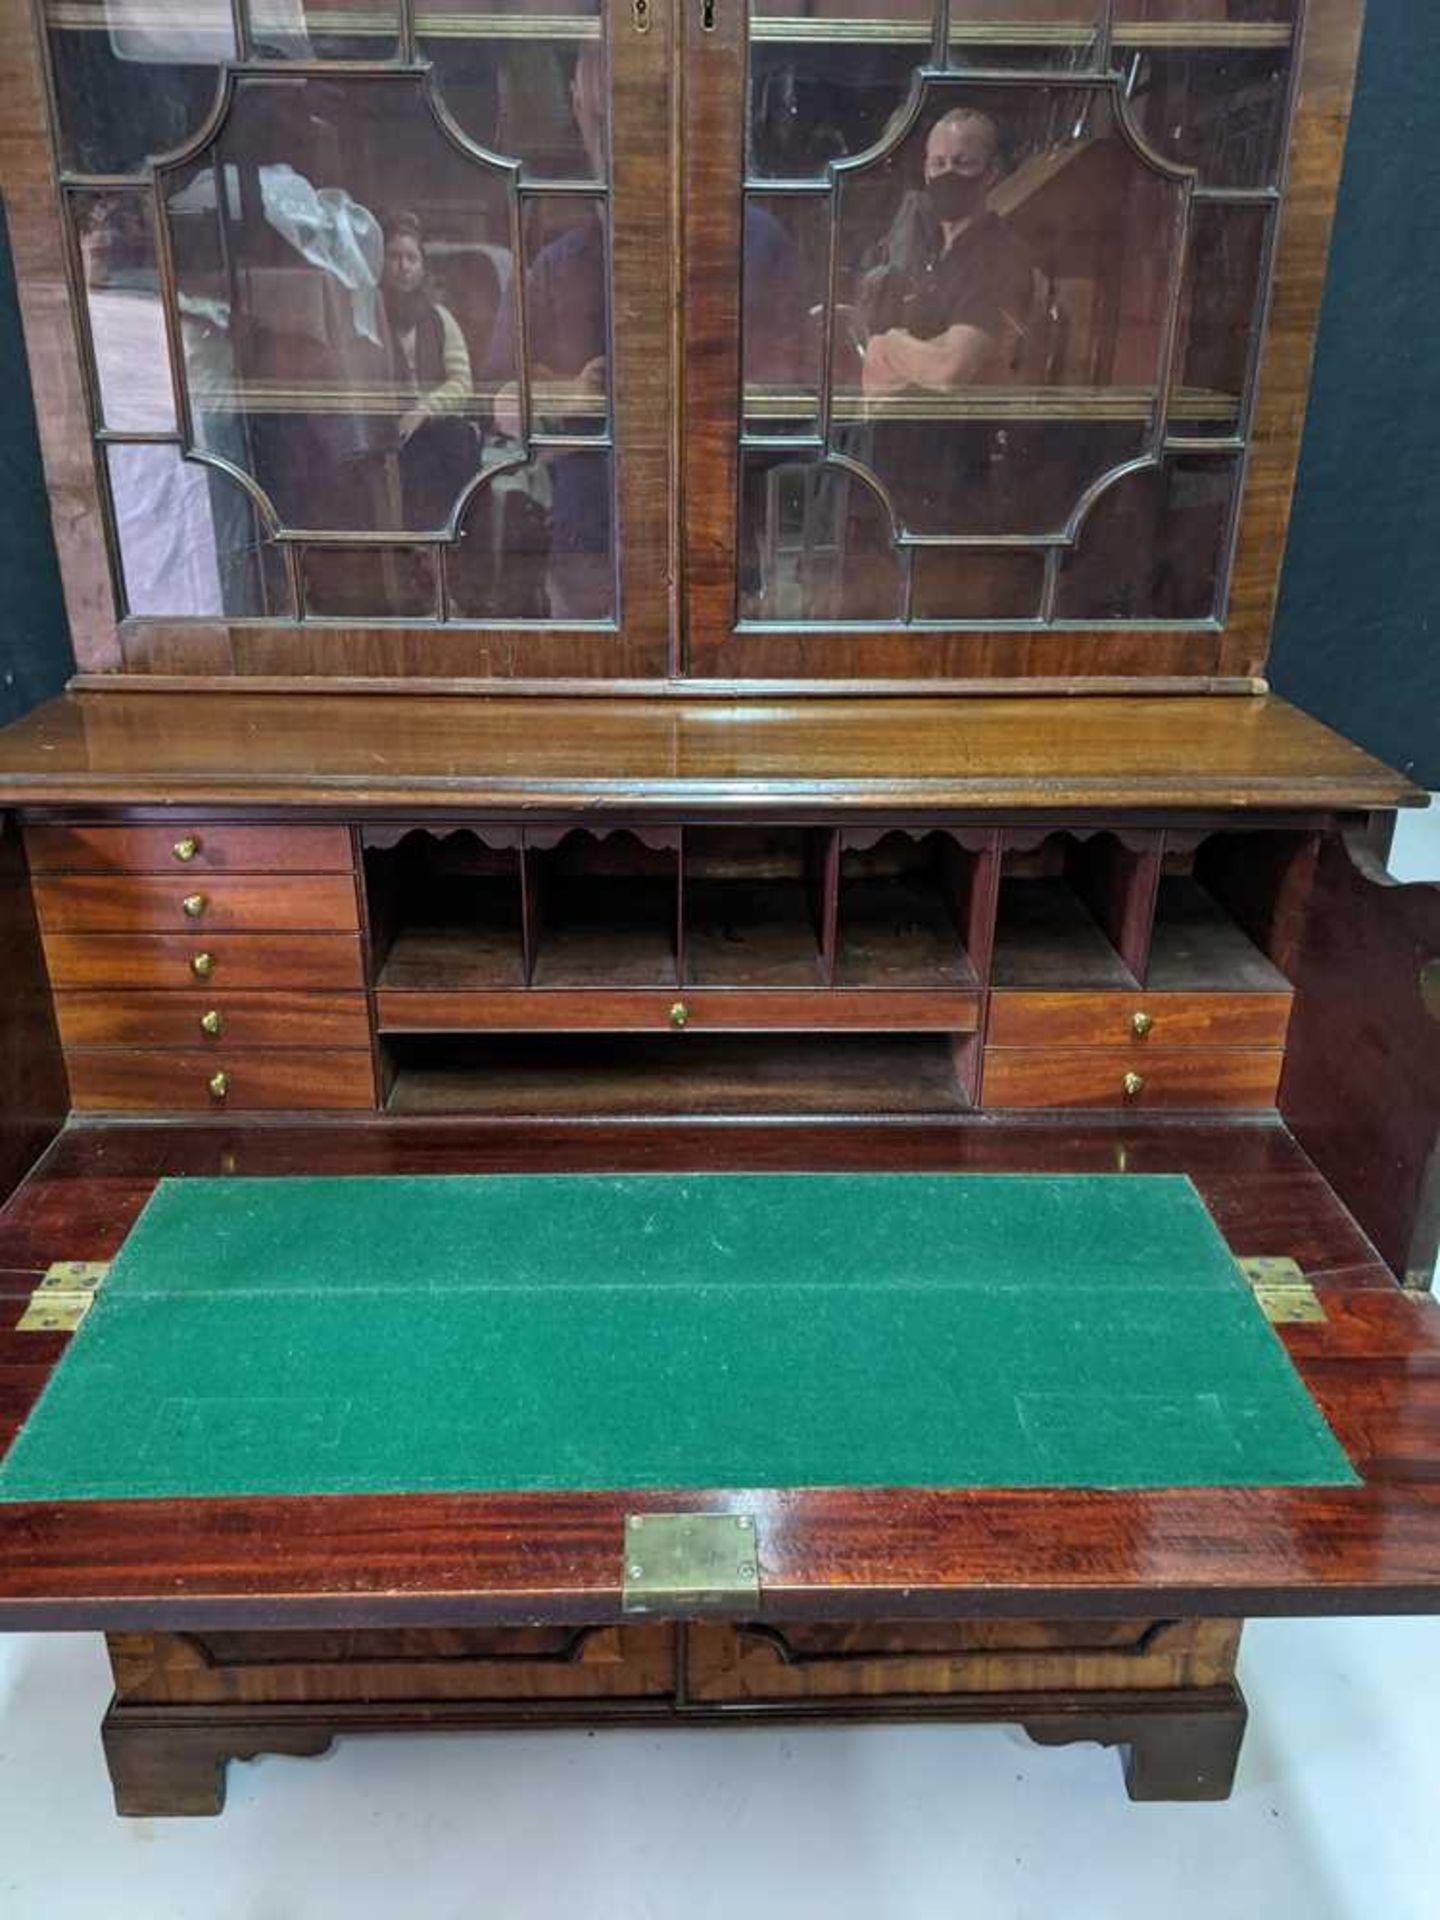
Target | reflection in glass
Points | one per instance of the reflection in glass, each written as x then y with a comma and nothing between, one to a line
133,79
125,311
1153,547
815,545
538,100
537,543
370,583
1219,313
325,354
191,544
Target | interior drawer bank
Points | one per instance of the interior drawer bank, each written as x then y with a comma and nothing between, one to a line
282,1017
117,1081
179,848
1166,1077
263,960
1079,1019
228,903
807,1009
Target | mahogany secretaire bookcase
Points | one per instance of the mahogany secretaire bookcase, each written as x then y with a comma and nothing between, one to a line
684,587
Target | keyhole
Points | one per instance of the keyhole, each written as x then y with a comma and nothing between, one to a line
640,12
707,16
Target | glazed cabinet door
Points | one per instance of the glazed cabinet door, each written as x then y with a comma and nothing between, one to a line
372,320
976,301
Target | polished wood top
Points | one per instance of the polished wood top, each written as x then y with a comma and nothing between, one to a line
630,755
1373,1365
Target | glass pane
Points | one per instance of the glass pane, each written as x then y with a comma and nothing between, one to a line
299,30
190,541
1153,546
1220,109
528,87
969,583
375,583
566,318
815,545
998,346
133,79
538,543
331,355
1218,317
787,244
126,313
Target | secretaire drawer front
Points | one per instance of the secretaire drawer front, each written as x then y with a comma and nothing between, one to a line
239,960
182,848
283,1018
142,903
224,1082
535,1010
1177,1078
1139,1020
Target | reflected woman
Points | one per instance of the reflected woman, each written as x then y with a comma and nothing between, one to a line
439,448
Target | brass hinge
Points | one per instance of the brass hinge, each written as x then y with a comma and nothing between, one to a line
691,1563
1282,1292
63,1297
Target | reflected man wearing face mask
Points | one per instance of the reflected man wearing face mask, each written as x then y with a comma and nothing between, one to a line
946,296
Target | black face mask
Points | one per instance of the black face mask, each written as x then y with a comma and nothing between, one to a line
955,196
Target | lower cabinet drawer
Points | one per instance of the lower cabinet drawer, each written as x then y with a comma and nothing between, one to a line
538,1010
910,1660
1159,1078
218,1082
213,1020
1138,1019
204,960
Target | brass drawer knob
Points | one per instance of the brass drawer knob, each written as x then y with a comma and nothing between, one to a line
193,905
1140,1024
185,850
203,965
679,1014
219,1085
212,1021
1134,1085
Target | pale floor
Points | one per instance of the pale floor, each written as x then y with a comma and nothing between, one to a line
1336,1813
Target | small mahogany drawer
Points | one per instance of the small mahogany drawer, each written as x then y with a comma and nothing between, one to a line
1139,1020
180,849
201,959
220,1082
230,903
213,1020
1165,1077
802,1010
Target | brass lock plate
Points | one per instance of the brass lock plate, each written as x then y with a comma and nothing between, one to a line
691,1563
63,1297
1283,1294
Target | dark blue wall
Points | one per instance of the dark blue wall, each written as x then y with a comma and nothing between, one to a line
1355,639
34,643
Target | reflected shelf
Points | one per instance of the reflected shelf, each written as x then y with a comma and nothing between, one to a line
98,16
1130,36
263,396
1191,404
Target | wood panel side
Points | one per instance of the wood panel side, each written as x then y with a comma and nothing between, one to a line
33,1095
1361,1088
